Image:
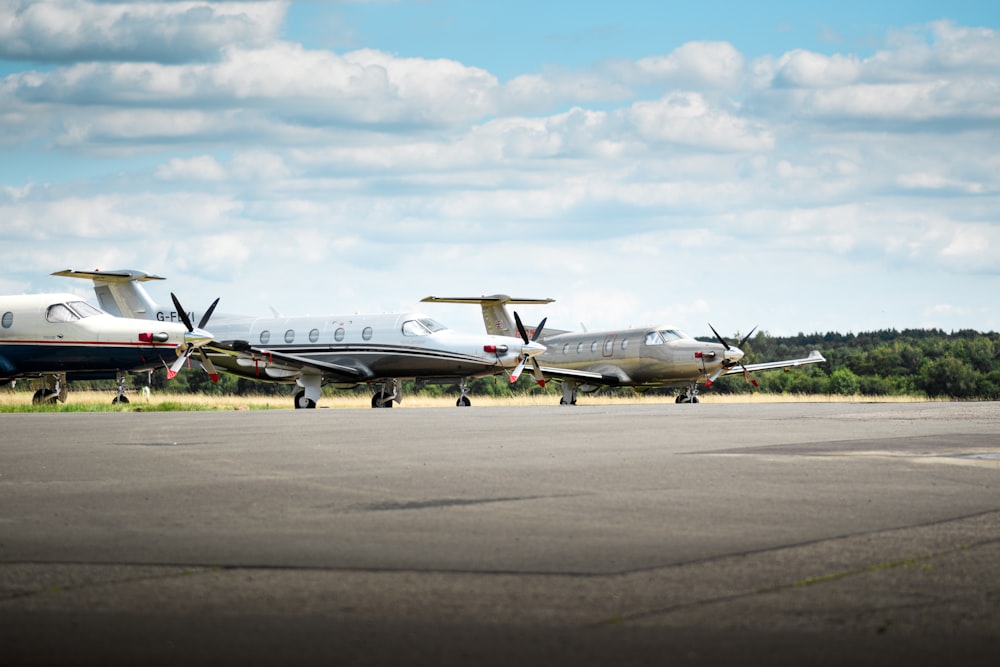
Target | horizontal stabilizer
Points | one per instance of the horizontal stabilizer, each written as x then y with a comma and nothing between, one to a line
492,299
116,276
495,316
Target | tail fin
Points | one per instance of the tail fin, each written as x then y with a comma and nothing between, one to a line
497,319
119,292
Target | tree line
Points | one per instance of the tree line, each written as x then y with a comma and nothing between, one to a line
913,362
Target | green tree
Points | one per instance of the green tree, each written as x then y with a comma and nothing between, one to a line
844,382
947,376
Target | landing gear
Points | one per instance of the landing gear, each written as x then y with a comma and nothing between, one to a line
386,393
301,402
54,389
43,397
381,399
308,397
690,395
120,397
568,393
463,397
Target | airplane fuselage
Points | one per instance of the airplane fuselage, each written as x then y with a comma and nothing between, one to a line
648,356
370,347
60,333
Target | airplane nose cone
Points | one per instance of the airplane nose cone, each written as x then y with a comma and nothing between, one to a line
734,354
197,338
532,349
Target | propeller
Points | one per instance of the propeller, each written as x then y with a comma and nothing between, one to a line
193,340
525,357
728,363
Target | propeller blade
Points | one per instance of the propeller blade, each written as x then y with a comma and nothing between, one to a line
715,376
539,376
181,312
516,373
520,328
208,314
748,378
538,329
209,367
747,337
718,337
176,367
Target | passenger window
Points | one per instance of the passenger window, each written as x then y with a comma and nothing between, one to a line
338,335
367,333
566,349
593,346
579,348
265,337
624,344
314,335
8,320
290,336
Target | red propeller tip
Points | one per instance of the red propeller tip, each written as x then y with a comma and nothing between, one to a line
171,374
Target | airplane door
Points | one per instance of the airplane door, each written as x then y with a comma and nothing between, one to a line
609,345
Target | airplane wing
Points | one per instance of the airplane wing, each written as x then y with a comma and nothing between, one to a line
587,377
814,358
337,372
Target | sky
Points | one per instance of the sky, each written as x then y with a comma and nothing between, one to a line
799,167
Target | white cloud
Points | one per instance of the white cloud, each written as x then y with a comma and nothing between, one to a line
201,168
813,70
65,30
693,186
696,64
687,118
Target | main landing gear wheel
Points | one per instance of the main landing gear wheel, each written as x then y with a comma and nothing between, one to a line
119,400
302,402
381,399
463,402
687,399
43,397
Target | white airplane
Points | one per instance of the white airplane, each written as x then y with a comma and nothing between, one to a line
643,358
343,351
60,337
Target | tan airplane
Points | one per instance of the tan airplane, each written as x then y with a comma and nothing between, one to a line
643,357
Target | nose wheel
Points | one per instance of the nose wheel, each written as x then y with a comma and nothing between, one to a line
386,393
690,395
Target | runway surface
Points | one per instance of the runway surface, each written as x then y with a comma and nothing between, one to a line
586,535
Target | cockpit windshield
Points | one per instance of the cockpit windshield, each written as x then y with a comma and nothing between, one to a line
661,336
423,327
84,309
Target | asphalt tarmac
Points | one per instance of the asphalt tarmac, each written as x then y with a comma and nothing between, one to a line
590,535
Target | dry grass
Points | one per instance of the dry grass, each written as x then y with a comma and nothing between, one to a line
93,401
